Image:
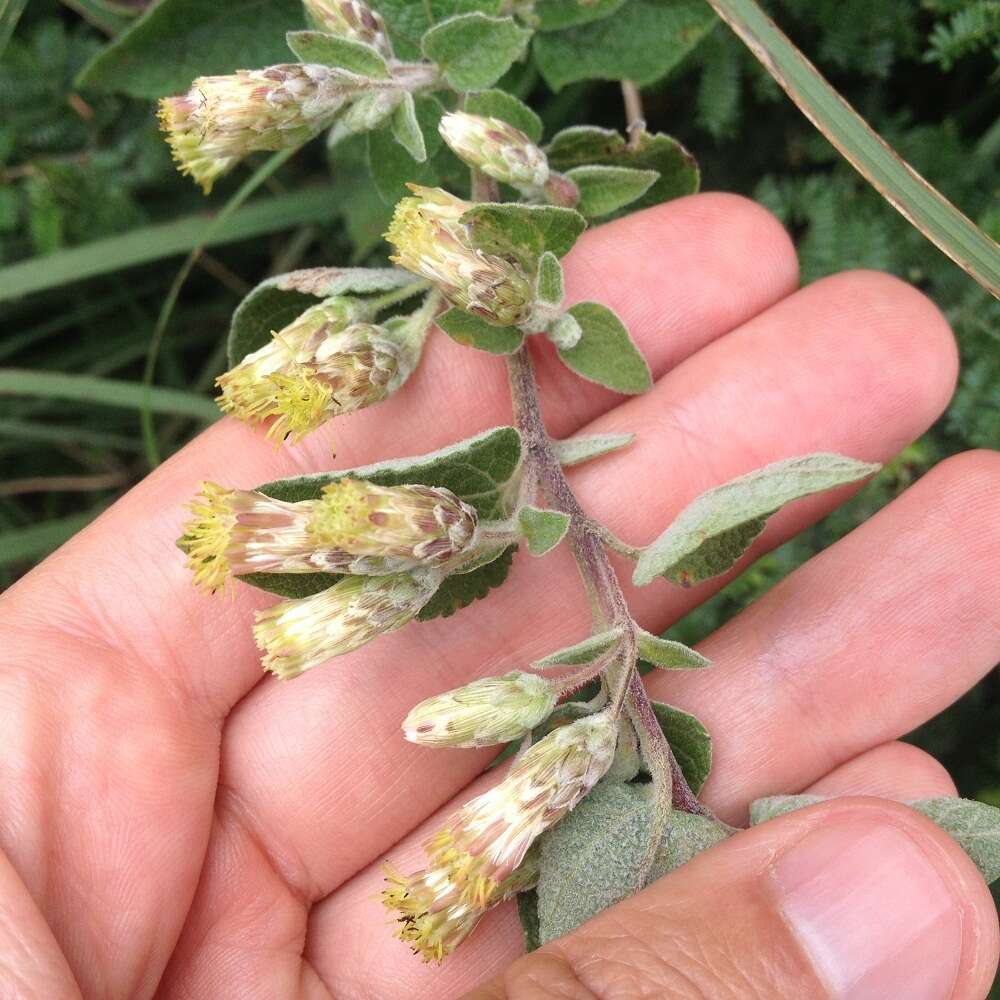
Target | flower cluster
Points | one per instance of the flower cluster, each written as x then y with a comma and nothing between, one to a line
431,240
324,363
221,119
474,861
350,19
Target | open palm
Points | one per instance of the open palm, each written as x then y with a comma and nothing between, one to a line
176,824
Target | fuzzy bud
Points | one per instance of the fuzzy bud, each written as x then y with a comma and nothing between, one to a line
221,119
472,861
322,364
355,527
300,634
350,19
431,241
481,714
497,149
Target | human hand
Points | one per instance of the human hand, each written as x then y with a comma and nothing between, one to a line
174,825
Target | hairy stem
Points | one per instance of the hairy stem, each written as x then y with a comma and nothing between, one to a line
636,122
542,468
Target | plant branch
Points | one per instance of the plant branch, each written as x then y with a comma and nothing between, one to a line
634,117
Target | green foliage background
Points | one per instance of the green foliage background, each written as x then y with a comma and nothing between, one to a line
76,166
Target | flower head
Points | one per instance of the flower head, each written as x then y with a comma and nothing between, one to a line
350,19
486,712
496,148
431,241
322,364
355,527
297,635
223,118
472,861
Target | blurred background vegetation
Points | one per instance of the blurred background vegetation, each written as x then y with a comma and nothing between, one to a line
78,167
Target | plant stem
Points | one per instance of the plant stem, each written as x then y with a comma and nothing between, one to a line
636,122
611,609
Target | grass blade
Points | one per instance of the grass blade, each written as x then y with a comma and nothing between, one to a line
900,185
27,544
106,392
10,14
167,239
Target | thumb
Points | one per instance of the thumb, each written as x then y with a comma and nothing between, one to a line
857,898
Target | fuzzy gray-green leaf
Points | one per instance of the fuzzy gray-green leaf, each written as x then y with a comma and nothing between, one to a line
669,655
605,189
575,450
391,162
500,104
975,825
606,354
526,230
473,50
274,303
471,331
406,129
689,740
590,860
542,529
585,651
773,806
341,53
586,145
554,15
549,283
713,531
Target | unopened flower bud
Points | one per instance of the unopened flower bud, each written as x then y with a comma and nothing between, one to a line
322,364
486,712
431,241
355,527
496,148
223,118
300,634
471,861
350,19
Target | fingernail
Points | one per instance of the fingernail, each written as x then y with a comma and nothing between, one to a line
871,911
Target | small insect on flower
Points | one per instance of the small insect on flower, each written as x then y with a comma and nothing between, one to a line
221,119
431,241
355,527
481,714
350,19
472,860
300,634
322,364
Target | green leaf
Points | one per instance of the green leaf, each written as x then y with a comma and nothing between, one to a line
606,353
178,40
575,450
500,104
341,53
668,654
527,913
107,392
690,742
549,282
471,331
643,42
165,239
478,470
275,302
592,858
473,50
408,20
543,530
584,145
461,590
406,128
585,651
975,825
773,806
554,15
605,189
392,166
714,530
876,161
526,230
24,545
